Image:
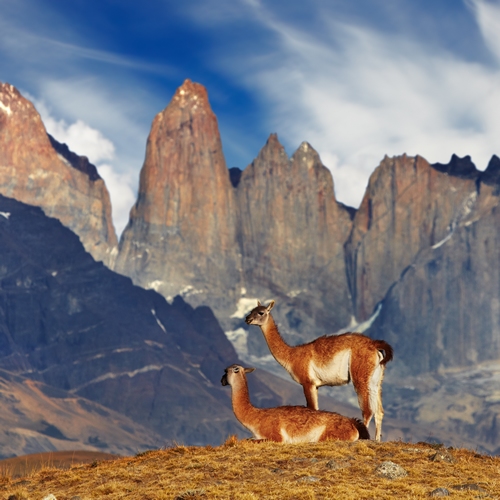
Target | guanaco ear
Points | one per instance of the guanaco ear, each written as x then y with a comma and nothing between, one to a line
270,305
258,303
249,370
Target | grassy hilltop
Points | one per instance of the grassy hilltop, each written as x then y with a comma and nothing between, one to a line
255,470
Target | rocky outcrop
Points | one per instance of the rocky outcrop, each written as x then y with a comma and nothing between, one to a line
37,170
409,206
445,305
291,234
181,233
74,325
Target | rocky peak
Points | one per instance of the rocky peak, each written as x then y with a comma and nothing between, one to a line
306,155
271,155
9,99
16,114
181,234
460,167
192,96
491,175
42,173
235,176
305,148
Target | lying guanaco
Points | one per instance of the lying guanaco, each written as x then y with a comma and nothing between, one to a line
288,424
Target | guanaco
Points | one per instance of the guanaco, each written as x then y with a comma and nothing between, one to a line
288,424
331,360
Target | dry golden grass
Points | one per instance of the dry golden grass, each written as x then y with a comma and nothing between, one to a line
250,470
27,464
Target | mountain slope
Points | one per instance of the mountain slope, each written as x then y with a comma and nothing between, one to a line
74,325
36,417
36,169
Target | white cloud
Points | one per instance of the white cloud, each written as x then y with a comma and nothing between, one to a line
488,18
121,191
357,94
85,140
79,137
82,139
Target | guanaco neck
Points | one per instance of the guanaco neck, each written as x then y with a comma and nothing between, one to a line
281,351
243,409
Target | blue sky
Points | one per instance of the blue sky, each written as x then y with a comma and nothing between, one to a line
356,79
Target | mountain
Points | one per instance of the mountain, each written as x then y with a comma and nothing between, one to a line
36,169
281,234
291,233
90,361
408,206
425,246
224,237
37,417
181,233
70,323
417,265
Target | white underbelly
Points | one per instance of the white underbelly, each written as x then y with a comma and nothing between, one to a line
299,436
334,372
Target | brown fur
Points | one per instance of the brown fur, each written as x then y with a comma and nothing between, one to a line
288,424
359,359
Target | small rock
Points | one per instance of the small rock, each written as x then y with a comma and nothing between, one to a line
309,479
390,470
50,497
277,471
443,456
336,465
439,492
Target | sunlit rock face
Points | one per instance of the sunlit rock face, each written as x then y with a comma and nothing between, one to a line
181,233
291,232
37,170
408,206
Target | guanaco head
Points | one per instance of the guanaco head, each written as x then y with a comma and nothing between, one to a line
232,372
260,314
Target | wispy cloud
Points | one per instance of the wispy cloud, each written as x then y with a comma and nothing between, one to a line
488,18
21,43
357,93
79,136
33,31
85,140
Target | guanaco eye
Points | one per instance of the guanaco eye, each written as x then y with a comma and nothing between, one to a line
261,313
236,369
